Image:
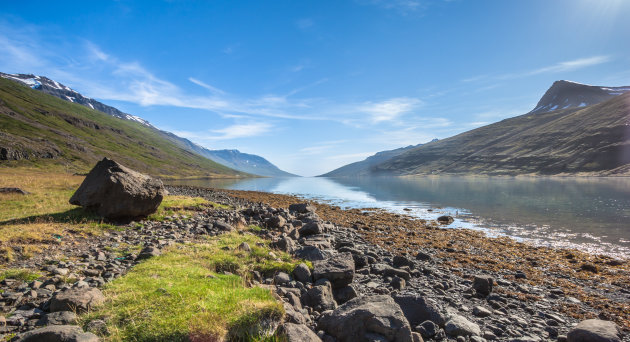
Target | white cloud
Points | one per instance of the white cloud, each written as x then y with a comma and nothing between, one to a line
205,85
389,109
231,132
403,6
573,65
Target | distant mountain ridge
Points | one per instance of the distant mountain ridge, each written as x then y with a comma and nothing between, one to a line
363,168
244,162
588,135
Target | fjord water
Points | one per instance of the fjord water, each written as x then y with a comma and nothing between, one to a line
586,213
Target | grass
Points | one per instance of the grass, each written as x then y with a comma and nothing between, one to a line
30,222
19,274
184,295
182,205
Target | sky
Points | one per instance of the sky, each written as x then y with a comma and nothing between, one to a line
314,85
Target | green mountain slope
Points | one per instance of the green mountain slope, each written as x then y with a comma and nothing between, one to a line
37,129
593,140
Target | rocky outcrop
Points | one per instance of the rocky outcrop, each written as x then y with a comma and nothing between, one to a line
374,318
116,192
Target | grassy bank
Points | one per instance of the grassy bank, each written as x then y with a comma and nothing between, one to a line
196,292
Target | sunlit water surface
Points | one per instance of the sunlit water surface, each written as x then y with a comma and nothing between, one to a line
591,214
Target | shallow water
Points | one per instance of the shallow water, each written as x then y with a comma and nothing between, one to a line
591,214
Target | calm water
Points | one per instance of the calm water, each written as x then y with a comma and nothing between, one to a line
587,213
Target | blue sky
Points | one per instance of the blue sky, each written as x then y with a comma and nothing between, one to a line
314,85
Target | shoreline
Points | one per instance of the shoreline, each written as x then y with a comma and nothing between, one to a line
596,281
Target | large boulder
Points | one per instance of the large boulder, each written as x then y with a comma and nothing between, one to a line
367,318
460,326
418,309
594,330
78,299
339,269
58,333
117,192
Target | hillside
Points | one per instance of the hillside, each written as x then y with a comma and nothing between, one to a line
594,140
362,168
574,129
234,159
37,129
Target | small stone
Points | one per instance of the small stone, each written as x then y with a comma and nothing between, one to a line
480,311
483,285
281,278
460,326
98,327
244,247
302,273
149,252
398,283
446,219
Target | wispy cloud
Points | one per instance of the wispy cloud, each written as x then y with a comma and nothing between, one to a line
565,66
389,109
207,86
246,130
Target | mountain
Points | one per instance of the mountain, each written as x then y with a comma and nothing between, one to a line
243,162
567,94
63,92
43,131
590,139
249,163
362,168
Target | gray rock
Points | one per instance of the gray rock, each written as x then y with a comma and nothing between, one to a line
367,318
116,192
311,253
149,252
276,222
445,219
594,330
339,269
58,318
418,309
344,294
76,299
244,247
220,225
389,271
58,333
427,329
298,333
480,311
302,208
281,278
97,326
483,285
460,326
321,298
311,228
400,261
302,273
286,244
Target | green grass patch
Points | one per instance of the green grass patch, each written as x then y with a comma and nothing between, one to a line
183,205
19,274
183,294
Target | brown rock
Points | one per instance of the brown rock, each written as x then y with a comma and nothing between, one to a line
117,192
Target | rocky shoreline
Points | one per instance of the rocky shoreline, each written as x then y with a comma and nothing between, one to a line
375,276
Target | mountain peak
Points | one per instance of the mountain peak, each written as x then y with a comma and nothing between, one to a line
564,94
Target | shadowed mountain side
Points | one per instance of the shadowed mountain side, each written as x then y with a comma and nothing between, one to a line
234,159
362,168
37,129
590,141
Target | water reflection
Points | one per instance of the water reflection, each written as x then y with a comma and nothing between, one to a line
588,213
